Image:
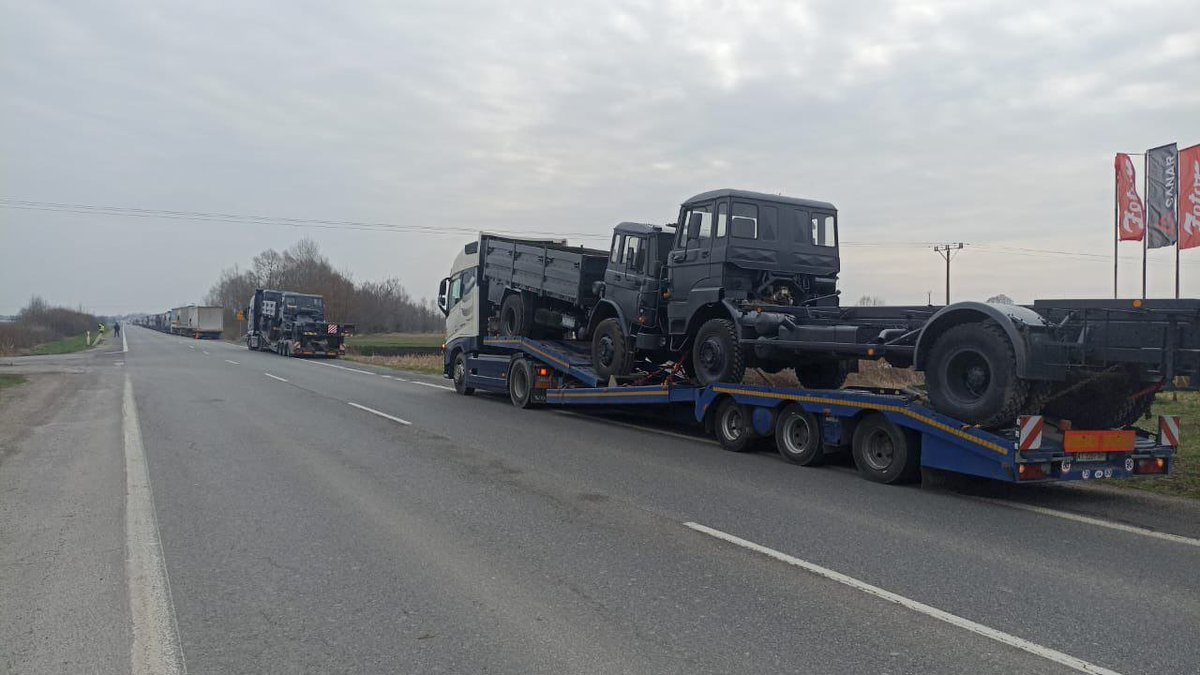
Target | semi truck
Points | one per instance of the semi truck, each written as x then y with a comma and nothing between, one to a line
293,324
749,280
200,322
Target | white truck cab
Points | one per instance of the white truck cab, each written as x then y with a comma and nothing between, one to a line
458,296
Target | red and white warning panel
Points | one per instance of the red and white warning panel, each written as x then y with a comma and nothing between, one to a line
331,329
1031,427
1168,430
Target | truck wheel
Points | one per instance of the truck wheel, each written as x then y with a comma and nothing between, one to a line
716,355
732,425
610,350
885,453
798,436
516,319
520,383
972,375
825,375
459,371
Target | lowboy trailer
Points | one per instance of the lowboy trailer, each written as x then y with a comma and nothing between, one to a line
891,434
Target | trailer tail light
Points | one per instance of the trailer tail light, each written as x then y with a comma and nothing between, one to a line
542,381
1033,471
1099,441
1168,430
1152,465
543,372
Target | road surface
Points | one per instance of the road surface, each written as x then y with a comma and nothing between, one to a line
179,504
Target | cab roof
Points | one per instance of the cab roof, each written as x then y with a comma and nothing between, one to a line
759,197
638,228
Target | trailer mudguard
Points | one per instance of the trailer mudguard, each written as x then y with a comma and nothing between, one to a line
1015,320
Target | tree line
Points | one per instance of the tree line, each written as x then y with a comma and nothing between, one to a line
372,306
39,322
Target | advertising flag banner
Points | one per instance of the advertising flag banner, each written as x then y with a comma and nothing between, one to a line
1189,197
1162,174
1131,214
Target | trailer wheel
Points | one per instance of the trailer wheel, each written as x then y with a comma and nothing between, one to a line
520,383
798,436
516,317
972,375
459,371
732,424
717,355
885,453
610,350
824,375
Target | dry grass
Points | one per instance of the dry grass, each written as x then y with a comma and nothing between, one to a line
419,363
870,374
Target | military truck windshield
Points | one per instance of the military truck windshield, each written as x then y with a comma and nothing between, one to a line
305,303
824,230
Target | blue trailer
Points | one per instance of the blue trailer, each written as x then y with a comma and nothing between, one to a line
890,434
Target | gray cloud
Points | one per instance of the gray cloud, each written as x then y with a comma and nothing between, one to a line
992,123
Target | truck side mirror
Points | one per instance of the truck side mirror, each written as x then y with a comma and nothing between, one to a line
443,300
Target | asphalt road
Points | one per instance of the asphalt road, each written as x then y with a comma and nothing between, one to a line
328,517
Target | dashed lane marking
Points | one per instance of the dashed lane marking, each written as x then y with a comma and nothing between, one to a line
430,384
275,377
381,414
233,362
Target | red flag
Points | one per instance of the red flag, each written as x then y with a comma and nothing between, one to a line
1189,197
1131,213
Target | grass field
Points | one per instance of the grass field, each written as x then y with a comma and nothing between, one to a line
63,346
1185,482
427,340
11,380
420,363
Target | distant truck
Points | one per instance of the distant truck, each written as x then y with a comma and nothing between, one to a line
749,280
199,322
293,324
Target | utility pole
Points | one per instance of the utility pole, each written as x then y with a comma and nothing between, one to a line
947,251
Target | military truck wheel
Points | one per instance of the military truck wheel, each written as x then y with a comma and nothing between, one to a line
520,383
610,350
516,318
885,453
972,375
798,436
458,370
825,375
733,427
717,355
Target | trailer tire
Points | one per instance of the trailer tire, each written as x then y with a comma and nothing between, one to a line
516,316
520,383
824,375
884,452
798,436
732,426
459,373
972,375
717,354
610,350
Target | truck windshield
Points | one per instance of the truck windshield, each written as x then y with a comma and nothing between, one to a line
824,229
306,303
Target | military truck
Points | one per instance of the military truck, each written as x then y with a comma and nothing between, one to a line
293,324
749,280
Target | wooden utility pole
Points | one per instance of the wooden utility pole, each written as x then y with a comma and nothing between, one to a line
947,251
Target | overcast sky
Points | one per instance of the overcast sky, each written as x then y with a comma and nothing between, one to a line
992,123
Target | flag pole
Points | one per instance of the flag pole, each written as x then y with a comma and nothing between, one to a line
1116,227
1146,230
1178,229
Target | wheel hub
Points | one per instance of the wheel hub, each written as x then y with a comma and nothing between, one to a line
731,424
880,451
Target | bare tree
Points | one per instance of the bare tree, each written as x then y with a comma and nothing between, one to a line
1001,299
871,301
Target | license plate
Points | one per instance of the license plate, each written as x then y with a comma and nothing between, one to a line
1091,457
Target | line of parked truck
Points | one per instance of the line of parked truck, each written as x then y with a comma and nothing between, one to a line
195,321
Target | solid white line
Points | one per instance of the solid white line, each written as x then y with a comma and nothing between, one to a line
124,344
155,648
233,362
381,414
275,377
430,384
920,607
333,365
1121,527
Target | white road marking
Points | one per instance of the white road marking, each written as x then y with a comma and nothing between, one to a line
124,344
638,427
1088,520
205,351
155,649
191,346
333,365
233,362
275,377
919,607
386,377
430,384
381,414
118,363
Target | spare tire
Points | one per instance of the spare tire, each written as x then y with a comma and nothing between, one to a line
516,316
971,375
610,351
717,354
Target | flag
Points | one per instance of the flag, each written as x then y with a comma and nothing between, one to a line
1189,197
1162,173
1131,214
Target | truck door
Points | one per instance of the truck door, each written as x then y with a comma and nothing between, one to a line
626,274
689,265
462,305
